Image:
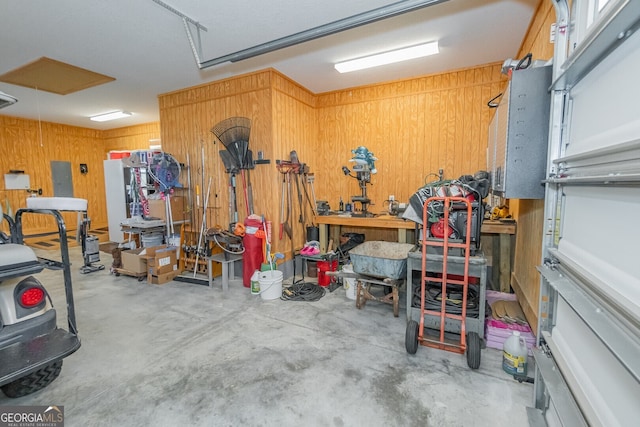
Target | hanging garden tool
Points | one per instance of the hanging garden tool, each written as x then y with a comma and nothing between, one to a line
297,171
301,171
286,168
282,198
308,180
234,134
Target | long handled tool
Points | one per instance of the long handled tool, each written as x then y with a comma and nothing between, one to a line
301,217
287,223
189,197
312,205
233,202
234,134
282,196
202,228
310,180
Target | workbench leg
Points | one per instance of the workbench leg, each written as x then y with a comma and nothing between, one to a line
232,274
402,235
209,272
324,237
225,276
505,263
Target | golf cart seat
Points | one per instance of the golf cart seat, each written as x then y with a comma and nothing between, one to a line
57,203
18,260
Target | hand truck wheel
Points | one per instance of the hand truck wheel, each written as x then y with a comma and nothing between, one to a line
411,337
473,350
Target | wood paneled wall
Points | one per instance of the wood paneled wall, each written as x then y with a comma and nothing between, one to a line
30,146
294,128
414,127
187,118
530,213
131,138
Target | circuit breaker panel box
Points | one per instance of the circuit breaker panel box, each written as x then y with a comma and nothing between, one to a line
518,135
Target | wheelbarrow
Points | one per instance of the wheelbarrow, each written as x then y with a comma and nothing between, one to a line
363,288
382,264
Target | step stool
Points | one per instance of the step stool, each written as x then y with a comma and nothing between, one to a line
227,261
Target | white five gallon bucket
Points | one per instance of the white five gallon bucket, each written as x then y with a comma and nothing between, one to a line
151,239
349,283
270,284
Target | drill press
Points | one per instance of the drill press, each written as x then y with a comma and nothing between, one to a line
363,175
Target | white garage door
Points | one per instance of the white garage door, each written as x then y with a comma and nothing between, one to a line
589,357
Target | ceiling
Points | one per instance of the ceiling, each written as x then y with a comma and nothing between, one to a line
145,47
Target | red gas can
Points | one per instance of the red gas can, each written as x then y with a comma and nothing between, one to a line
323,267
252,256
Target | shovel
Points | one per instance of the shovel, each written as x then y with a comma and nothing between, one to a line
287,226
282,196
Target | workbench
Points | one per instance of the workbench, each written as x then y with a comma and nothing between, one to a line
381,221
136,227
503,230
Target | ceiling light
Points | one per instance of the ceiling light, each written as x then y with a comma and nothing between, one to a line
391,57
110,116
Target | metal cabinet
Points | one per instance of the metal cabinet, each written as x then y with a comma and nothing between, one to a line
518,135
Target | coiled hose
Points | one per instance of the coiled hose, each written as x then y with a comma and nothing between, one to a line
453,304
303,291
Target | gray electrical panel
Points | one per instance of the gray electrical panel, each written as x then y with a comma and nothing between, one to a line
518,136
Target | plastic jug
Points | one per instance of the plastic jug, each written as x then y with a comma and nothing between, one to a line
514,355
255,283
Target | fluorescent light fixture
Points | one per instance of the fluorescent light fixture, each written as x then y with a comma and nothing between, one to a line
110,116
391,57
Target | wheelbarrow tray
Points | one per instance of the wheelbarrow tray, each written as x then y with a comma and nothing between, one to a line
381,259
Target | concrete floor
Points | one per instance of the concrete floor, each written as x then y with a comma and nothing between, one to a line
188,355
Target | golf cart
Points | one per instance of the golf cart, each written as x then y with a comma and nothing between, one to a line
32,346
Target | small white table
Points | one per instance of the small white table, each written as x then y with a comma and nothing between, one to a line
227,261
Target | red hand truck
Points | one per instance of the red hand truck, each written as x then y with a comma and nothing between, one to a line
441,228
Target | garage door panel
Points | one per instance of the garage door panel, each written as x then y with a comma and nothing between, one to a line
594,374
604,110
600,234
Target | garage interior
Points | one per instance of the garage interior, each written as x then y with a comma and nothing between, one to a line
332,163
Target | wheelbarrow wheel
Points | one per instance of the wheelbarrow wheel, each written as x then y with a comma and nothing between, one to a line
473,350
411,337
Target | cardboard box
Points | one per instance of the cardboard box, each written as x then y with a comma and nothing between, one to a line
161,259
161,279
157,208
134,260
